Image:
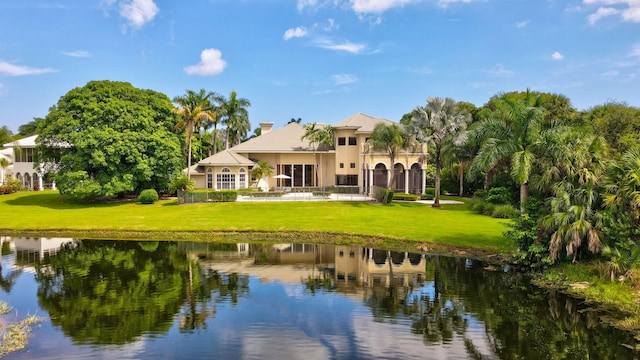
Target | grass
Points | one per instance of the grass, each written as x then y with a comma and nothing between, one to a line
15,335
452,225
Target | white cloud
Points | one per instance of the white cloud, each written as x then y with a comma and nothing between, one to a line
298,32
77,53
378,6
343,79
600,13
445,3
557,56
17,70
211,63
635,52
522,24
629,10
301,4
344,46
499,70
138,12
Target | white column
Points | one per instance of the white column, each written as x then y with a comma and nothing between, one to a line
370,181
406,181
424,181
40,183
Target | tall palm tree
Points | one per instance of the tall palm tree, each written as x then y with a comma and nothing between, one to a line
390,139
439,120
311,133
4,164
194,108
235,116
513,136
622,184
319,137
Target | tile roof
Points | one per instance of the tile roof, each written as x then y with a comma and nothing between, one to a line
226,157
29,141
362,123
282,140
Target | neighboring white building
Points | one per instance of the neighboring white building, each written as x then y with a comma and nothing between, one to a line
20,154
6,154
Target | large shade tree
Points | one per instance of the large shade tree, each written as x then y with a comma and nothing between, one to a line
234,114
109,138
195,109
439,120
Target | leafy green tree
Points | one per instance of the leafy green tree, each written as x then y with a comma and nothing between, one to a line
109,138
390,139
618,123
436,122
235,116
194,109
293,120
512,136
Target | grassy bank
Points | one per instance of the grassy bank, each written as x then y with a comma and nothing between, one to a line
452,225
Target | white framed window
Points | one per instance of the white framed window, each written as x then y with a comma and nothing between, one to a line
225,180
209,179
242,179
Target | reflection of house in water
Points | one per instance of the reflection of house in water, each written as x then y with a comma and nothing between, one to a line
215,250
349,267
33,250
365,267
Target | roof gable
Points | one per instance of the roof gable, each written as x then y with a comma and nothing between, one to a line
27,142
285,139
362,123
226,157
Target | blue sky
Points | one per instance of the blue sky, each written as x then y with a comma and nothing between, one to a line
320,60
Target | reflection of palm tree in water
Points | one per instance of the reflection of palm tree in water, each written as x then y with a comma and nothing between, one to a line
6,283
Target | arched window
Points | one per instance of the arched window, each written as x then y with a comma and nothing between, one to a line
36,182
27,181
225,180
399,175
242,179
210,179
19,177
380,175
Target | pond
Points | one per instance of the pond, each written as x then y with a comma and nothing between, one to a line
164,299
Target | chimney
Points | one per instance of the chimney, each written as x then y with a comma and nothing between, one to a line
265,127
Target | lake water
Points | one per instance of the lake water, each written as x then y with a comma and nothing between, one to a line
172,300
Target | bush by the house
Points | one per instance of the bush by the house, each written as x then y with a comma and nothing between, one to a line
405,197
499,195
11,186
429,194
505,212
148,196
207,195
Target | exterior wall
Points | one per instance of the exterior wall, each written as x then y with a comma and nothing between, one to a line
199,181
236,171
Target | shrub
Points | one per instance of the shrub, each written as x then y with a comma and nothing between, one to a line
499,195
384,196
505,212
207,195
246,191
181,182
487,209
480,194
148,196
405,197
429,194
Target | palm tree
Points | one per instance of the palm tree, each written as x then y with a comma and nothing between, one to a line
193,109
439,120
262,170
623,184
319,137
390,139
514,136
235,116
4,164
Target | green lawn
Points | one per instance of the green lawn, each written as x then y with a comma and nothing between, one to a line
454,225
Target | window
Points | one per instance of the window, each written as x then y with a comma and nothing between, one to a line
209,179
349,180
242,178
352,165
341,165
353,141
342,141
226,180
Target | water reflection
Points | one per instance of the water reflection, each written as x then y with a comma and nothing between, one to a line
179,299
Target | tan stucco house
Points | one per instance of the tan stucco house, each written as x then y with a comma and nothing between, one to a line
296,164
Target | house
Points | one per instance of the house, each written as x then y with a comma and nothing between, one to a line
20,154
297,163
